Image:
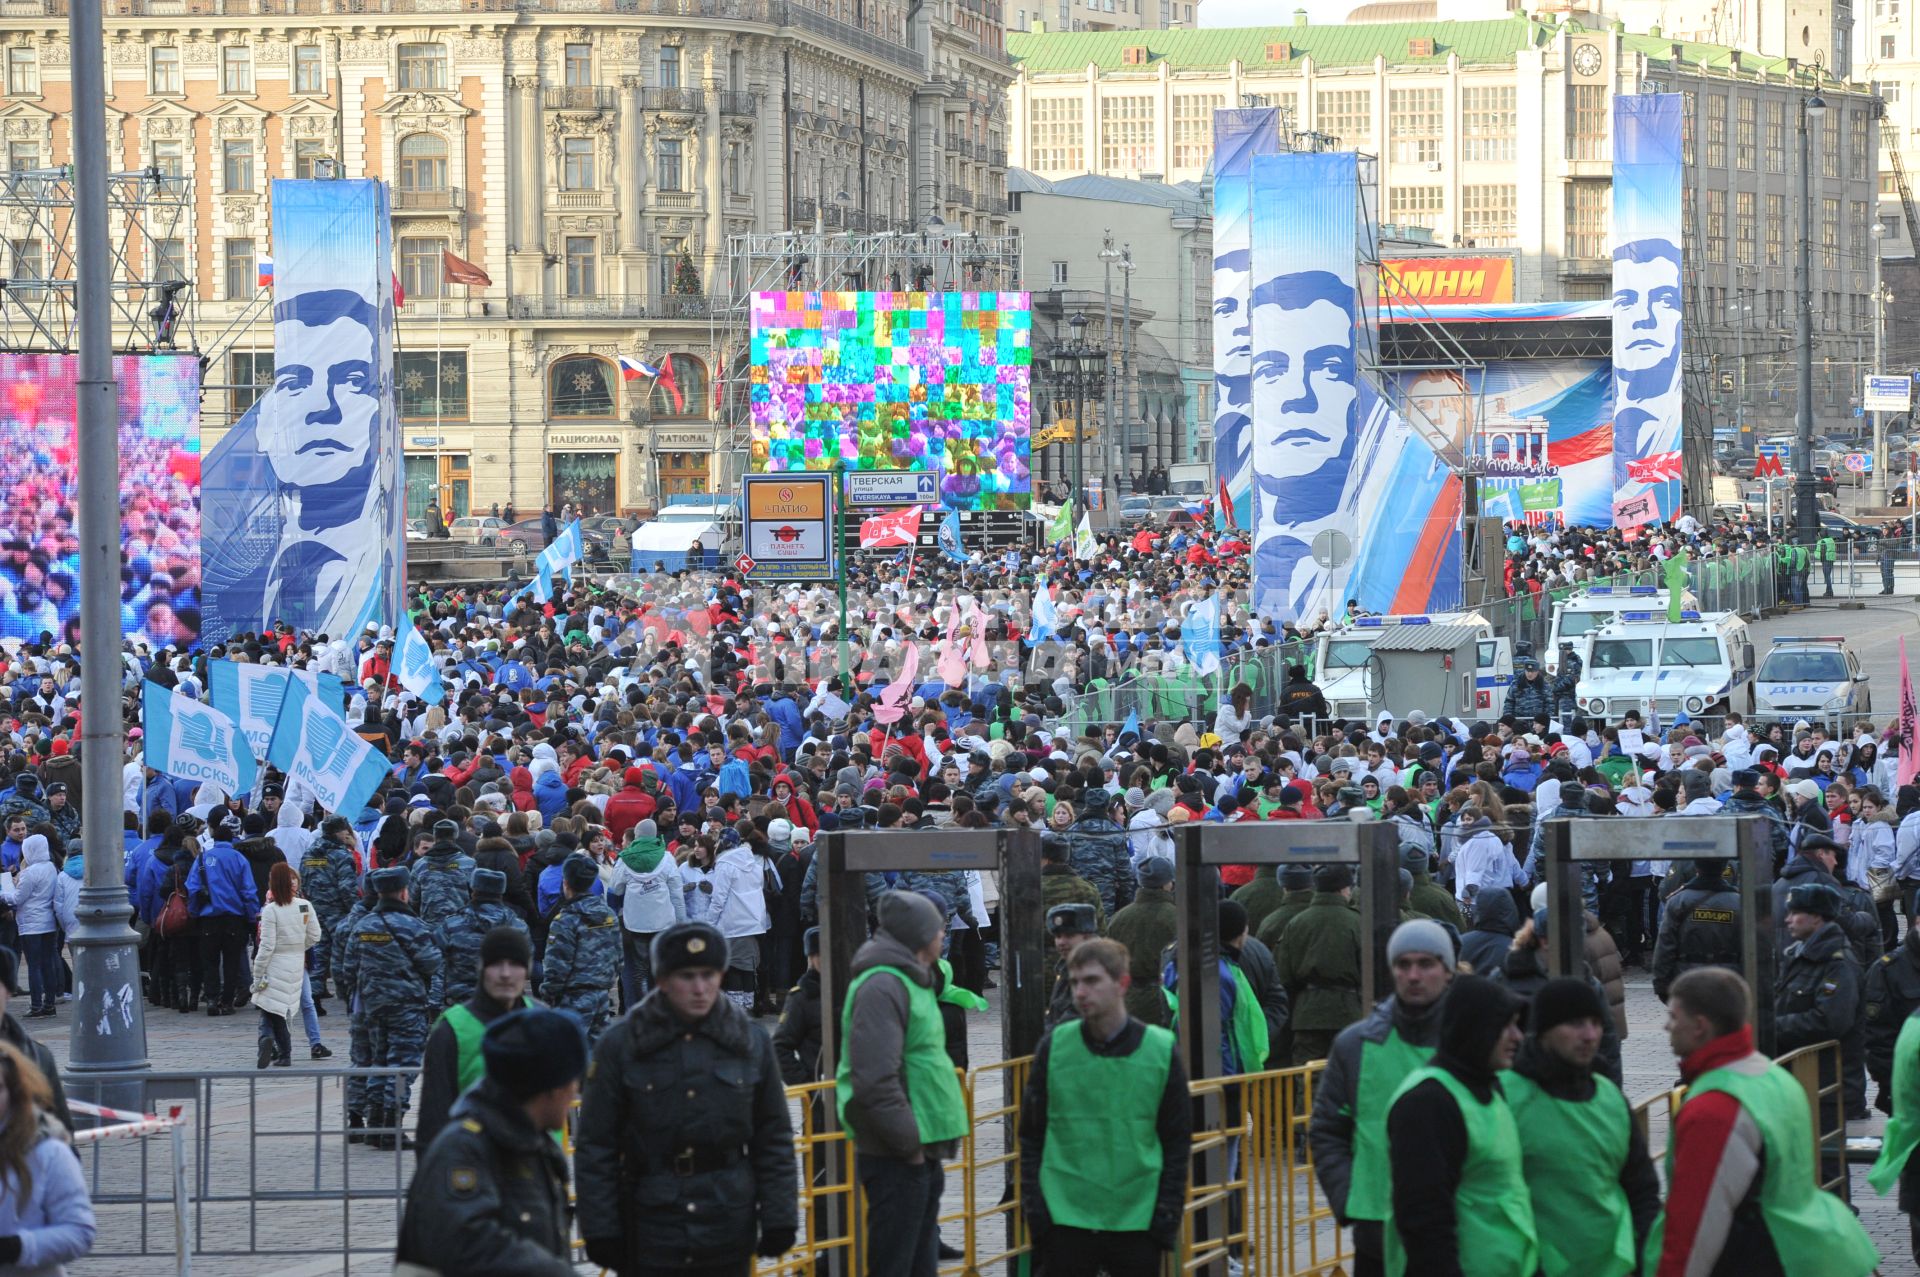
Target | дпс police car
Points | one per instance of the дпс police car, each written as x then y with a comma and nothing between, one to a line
1813,677
1702,663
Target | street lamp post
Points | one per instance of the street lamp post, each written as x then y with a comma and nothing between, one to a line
1877,480
1806,514
1080,372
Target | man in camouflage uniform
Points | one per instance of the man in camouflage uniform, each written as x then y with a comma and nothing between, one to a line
1060,885
24,800
950,887
359,1048
583,950
439,881
1099,852
61,811
459,936
390,966
331,886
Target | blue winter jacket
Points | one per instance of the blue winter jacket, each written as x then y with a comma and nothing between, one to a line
221,882
550,795
552,878
55,1223
793,727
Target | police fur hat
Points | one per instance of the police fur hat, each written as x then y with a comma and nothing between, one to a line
1296,877
1332,878
489,884
1154,871
1414,858
1071,919
534,1050
688,945
445,831
1814,897
389,881
810,942
579,872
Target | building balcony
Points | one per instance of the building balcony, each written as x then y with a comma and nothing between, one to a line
668,306
577,97
738,102
658,99
996,156
959,195
582,200
676,199
448,199
997,205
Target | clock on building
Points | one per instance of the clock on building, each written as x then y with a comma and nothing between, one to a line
1586,59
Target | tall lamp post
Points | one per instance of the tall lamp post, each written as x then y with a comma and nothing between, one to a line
1079,372
1806,513
1877,480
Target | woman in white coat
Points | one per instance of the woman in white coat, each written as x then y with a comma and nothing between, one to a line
288,928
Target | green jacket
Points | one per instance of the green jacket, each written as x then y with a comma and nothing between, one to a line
1060,885
1146,927
1275,926
1319,963
1436,902
1261,896
1824,550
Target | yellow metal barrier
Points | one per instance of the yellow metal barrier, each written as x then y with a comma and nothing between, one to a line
1817,1069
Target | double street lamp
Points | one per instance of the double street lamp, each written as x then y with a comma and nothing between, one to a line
1806,512
1079,372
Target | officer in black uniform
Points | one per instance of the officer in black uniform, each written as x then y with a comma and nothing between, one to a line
1892,994
1700,927
1816,994
1070,926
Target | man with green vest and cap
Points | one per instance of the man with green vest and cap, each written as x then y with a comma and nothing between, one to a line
1296,881
1318,962
1369,1061
1106,1131
1595,1193
1742,1195
899,1099
1824,553
1460,1202
453,1059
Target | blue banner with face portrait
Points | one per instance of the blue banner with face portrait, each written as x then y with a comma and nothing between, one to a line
1647,299
1238,136
303,511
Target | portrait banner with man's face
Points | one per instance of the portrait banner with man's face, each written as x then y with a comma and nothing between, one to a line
1647,306
302,503
1238,136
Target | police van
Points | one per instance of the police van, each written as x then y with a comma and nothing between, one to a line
1816,677
1584,611
1702,664
1349,679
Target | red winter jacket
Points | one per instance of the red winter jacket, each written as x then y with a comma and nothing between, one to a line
629,807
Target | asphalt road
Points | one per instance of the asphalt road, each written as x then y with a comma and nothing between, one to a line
1873,630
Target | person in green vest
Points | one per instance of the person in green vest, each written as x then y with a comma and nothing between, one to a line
1595,1193
1459,1199
1742,1192
1296,881
1369,1060
1897,1163
1824,553
453,1062
1106,1131
899,1098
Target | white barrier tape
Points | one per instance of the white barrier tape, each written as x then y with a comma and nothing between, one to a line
97,1110
147,1126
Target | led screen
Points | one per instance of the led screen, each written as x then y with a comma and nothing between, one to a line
897,381
159,498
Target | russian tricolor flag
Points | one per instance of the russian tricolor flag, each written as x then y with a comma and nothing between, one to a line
631,368
266,272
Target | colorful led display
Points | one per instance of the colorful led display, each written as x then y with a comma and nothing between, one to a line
898,381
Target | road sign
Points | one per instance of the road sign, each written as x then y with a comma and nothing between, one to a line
1888,394
893,487
1859,462
744,565
788,526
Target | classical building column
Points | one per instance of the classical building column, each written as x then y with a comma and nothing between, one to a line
632,176
527,182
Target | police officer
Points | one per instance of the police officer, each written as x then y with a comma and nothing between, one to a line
703,1182
459,937
1817,990
1566,681
583,949
390,967
1070,926
1700,927
329,880
452,1061
491,1193
1105,1131
1889,550
1891,995
1530,695
64,816
1297,881
439,881
359,1048
1300,697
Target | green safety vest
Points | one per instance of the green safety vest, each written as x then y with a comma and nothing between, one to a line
1903,1127
1824,550
1383,1066
965,999
1493,1214
467,1032
1100,1167
1249,1024
1812,1230
1573,1153
938,1107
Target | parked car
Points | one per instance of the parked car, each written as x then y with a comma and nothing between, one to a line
1135,511
1174,512
476,529
523,537
416,529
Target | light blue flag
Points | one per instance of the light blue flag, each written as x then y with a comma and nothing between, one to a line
1046,617
250,696
370,610
316,747
194,742
949,537
413,663
1202,635
1131,727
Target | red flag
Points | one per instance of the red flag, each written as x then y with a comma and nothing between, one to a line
1907,727
457,270
1658,468
399,293
673,387
898,527
1226,507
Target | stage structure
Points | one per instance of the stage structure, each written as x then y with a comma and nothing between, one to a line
152,298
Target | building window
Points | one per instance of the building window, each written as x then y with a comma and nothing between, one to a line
1887,90
576,164
249,373
421,268
26,260
1587,219
236,166
1414,125
1776,228
1857,231
1587,106
1414,205
1775,143
1059,274
583,263
1830,234
23,72
666,161
669,67
1829,140
307,154
1716,225
1488,216
163,69
1346,114
169,259
1126,134
1745,231
1746,133
580,386
1886,47
23,157
423,66
432,384
1716,107
1193,129
668,259
309,72
737,71
579,66
423,164
242,272
169,159
1857,143
1054,136
588,481
236,68
1487,122
1886,10
690,376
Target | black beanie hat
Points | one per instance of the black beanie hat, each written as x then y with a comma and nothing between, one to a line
506,944
1564,1000
1474,1014
533,1050
579,873
1332,878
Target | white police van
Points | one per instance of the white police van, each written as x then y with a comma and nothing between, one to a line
1702,664
1816,677
1345,675
1585,611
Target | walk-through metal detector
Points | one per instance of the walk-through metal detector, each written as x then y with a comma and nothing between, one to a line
1570,842
1372,848
845,861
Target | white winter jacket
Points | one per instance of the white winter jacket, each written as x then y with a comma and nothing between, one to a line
652,902
38,887
286,933
739,904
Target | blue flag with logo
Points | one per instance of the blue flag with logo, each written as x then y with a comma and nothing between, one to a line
949,537
1202,635
191,741
413,663
315,746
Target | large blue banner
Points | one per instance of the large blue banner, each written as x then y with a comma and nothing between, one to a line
1238,136
1647,301
303,510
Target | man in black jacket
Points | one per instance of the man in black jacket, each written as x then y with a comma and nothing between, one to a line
1699,927
1255,961
1816,993
796,1041
1892,993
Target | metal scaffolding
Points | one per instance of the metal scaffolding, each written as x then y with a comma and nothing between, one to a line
150,294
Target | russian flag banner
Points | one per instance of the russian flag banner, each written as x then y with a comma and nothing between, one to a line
266,272
631,368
